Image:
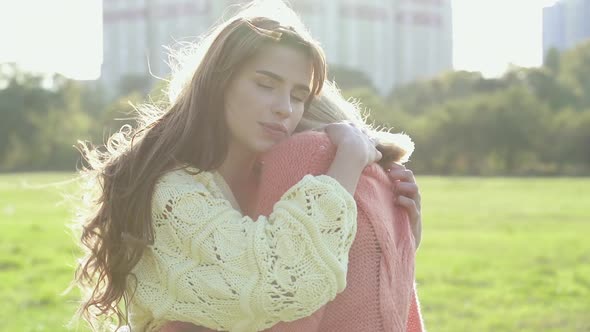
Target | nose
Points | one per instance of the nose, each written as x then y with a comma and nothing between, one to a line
282,105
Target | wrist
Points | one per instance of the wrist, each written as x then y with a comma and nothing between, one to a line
350,155
345,171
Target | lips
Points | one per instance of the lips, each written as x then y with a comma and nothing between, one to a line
276,129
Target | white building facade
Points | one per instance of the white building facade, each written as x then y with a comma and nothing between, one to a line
566,24
392,41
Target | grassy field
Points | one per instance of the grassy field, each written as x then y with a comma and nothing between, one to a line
497,254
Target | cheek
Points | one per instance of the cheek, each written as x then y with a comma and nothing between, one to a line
252,95
242,104
295,118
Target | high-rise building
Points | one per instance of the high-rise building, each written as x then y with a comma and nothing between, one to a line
554,27
566,24
392,41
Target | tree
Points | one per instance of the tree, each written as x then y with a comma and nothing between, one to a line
543,83
22,98
133,83
42,119
348,78
482,134
552,61
119,113
567,142
422,96
574,74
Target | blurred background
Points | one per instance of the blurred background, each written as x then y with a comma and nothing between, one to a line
495,95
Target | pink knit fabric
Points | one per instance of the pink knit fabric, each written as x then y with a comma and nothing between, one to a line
380,293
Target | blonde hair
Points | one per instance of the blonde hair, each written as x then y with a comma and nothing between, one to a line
330,107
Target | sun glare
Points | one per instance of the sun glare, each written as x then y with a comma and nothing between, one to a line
66,35
58,36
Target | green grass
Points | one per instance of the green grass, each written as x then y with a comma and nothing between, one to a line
37,253
505,254
497,254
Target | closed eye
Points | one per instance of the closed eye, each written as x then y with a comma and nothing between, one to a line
300,95
265,82
299,99
264,86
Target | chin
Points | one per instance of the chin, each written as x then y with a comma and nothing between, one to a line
265,146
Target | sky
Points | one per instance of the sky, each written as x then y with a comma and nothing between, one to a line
65,35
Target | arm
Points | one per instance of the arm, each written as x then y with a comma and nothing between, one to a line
213,267
287,163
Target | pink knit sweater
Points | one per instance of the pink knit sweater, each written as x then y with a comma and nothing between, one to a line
380,293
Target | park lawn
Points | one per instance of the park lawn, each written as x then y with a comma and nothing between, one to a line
505,254
497,254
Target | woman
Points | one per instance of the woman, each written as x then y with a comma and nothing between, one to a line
166,235
380,294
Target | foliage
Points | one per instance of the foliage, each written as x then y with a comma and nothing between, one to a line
529,121
39,125
348,78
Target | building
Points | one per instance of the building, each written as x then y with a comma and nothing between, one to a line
392,41
554,27
423,42
566,24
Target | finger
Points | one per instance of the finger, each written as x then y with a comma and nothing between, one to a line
395,166
410,206
407,189
405,175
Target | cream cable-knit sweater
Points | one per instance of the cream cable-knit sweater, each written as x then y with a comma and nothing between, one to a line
380,294
245,275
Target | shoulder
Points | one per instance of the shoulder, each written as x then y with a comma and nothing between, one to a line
183,180
304,144
308,152
188,192
306,139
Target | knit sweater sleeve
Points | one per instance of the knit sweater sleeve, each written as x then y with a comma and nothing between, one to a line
213,267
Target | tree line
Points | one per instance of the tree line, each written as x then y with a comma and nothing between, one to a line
530,121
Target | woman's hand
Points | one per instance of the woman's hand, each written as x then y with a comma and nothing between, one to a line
354,151
407,195
353,141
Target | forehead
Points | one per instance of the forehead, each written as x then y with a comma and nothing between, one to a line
294,65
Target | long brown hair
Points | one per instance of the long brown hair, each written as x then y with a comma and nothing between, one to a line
191,130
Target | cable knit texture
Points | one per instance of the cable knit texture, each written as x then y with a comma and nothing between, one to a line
214,267
380,295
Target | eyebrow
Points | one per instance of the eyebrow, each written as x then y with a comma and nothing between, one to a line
281,79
